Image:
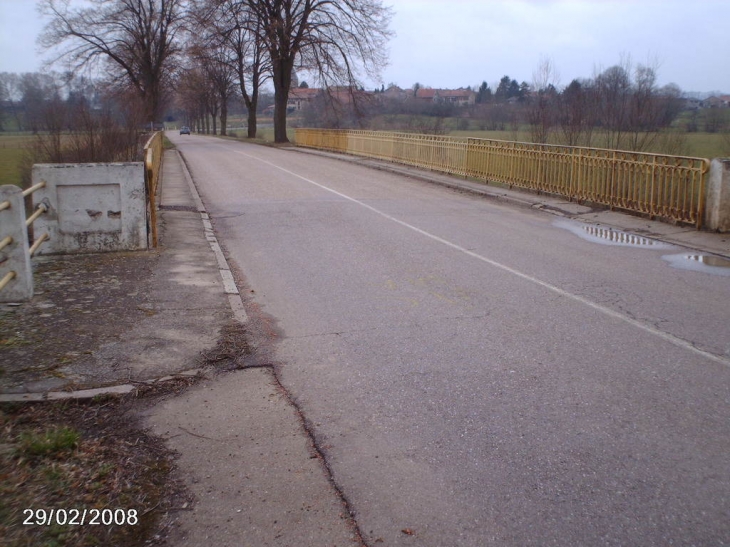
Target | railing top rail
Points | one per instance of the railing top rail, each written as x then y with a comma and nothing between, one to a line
542,146
149,141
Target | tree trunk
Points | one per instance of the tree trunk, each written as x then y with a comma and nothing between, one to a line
252,121
281,97
282,84
224,118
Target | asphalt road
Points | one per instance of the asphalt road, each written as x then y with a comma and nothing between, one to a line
480,374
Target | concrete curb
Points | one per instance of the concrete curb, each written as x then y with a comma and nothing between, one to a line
120,389
229,284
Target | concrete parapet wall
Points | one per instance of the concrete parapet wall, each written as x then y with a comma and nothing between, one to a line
94,207
717,204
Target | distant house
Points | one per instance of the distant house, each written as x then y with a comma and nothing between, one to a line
723,101
426,95
299,97
345,94
458,97
692,104
396,93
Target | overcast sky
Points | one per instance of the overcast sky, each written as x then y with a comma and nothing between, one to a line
454,43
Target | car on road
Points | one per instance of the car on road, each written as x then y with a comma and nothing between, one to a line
184,130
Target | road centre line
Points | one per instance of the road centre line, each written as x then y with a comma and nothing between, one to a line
577,298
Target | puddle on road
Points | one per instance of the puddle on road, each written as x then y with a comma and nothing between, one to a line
710,264
608,236
698,262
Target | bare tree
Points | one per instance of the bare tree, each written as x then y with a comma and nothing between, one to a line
716,120
238,34
646,110
334,38
612,97
193,96
37,90
215,62
136,41
574,114
10,84
634,112
542,103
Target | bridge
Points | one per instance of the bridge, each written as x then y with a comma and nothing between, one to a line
437,361
479,373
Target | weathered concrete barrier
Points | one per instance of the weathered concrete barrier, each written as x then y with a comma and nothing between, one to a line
15,267
93,207
717,204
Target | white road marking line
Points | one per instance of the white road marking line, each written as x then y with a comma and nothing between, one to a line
598,307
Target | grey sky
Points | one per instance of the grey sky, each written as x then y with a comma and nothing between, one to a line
454,43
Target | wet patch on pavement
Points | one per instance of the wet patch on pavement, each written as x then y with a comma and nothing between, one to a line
609,236
699,262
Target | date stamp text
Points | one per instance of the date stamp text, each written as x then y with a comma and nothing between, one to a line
80,517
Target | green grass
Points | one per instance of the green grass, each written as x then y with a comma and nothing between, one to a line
264,135
699,144
12,149
708,145
48,443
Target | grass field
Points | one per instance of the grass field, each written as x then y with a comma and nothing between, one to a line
12,149
700,145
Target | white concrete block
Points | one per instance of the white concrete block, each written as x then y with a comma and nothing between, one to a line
93,206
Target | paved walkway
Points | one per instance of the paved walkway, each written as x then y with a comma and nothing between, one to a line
244,452
115,320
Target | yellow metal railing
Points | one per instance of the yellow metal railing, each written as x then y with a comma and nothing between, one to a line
669,187
153,151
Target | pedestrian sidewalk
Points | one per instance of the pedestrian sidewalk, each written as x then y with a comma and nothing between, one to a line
108,323
105,319
257,477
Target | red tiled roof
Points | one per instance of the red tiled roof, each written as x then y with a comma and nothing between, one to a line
303,93
429,93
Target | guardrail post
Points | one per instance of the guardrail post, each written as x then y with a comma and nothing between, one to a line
14,257
717,196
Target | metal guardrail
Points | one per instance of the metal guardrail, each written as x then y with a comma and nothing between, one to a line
16,200
669,187
153,151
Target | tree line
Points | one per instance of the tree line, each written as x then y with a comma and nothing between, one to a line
207,56
621,107
208,50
